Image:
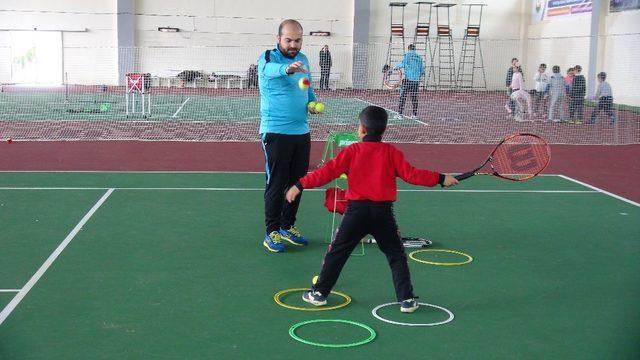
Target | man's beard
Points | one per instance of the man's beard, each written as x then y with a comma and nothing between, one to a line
292,52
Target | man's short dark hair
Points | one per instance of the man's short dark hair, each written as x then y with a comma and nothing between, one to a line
602,75
412,47
556,69
288,22
374,119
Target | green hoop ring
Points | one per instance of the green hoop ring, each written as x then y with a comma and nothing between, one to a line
469,258
278,295
292,333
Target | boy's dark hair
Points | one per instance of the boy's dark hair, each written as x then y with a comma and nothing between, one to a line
556,69
374,119
543,65
577,68
514,59
602,75
569,70
412,47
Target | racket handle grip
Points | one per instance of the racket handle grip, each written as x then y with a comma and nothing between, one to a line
465,175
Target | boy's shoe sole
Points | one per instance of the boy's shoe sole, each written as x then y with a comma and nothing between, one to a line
270,249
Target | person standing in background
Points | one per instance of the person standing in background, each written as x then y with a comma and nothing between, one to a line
557,90
578,91
541,79
325,67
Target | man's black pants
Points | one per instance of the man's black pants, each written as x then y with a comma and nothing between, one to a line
409,87
287,160
360,219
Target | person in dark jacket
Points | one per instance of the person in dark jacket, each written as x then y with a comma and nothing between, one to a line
511,105
372,167
325,67
577,93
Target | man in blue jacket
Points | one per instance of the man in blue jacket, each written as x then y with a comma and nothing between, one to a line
284,131
413,70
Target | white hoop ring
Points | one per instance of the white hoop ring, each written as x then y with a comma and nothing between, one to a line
374,312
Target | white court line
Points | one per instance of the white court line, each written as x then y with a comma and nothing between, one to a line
9,290
181,106
54,255
600,190
262,189
391,111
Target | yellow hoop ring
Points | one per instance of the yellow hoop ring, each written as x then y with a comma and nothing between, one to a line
469,258
278,295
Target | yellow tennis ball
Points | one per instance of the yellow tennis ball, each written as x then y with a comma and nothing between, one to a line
304,83
319,107
311,105
343,176
314,280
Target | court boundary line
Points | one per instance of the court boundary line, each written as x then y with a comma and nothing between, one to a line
313,190
9,290
4,314
181,106
600,190
392,111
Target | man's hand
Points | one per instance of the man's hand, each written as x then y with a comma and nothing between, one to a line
293,193
449,181
295,67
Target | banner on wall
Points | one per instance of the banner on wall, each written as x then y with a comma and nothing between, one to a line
623,5
550,9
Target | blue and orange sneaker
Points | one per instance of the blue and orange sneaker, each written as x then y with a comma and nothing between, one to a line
273,242
293,236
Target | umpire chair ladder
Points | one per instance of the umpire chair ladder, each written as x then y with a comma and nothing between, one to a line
470,50
422,42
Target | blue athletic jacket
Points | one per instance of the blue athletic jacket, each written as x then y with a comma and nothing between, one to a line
283,105
412,64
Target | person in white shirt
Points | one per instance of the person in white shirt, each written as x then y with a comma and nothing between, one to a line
557,90
519,95
541,79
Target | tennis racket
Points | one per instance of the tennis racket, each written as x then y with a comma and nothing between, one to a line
518,157
392,78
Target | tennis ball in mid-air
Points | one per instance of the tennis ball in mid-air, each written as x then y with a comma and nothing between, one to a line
319,107
304,83
311,105
314,280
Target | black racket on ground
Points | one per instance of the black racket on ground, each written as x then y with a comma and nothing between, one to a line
518,157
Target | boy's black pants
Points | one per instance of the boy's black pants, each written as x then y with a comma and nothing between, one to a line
360,219
287,160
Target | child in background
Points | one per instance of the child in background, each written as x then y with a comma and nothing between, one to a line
557,90
519,95
605,99
372,167
542,81
578,91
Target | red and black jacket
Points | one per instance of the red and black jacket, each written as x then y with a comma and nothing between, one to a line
372,167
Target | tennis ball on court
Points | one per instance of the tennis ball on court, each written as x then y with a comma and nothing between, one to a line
311,105
314,280
319,107
304,83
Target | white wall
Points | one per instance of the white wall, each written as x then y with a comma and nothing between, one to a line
89,56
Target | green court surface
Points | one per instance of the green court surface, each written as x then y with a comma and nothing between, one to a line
175,107
171,266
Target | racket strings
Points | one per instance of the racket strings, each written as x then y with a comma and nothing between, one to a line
520,157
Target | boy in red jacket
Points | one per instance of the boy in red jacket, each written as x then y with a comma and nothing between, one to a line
372,167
